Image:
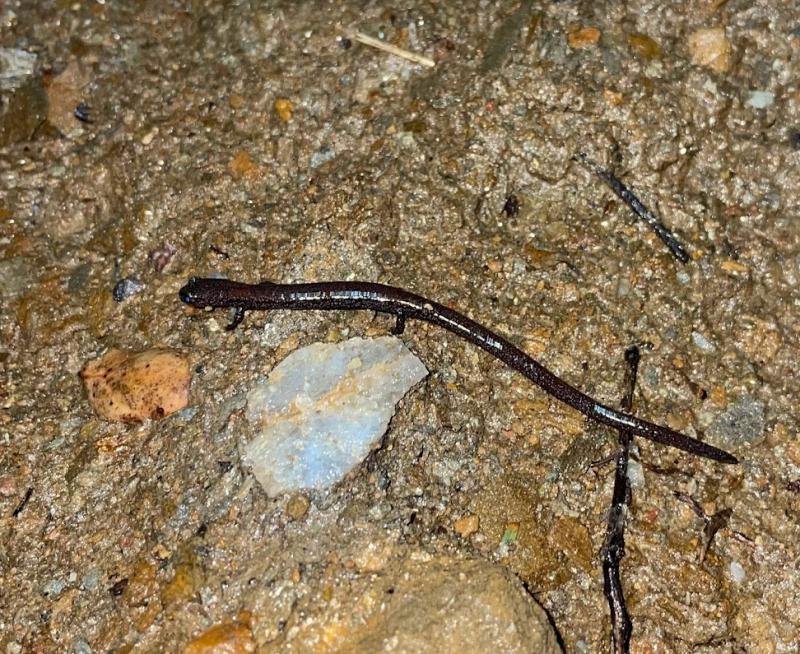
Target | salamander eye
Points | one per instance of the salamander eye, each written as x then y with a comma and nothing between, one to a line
186,294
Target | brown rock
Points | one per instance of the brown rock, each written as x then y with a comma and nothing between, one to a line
64,93
711,48
467,525
583,37
232,637
297,506
242,165
284,108
23,101
644,46
132,387
441,606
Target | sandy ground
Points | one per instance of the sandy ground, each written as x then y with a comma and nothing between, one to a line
248,138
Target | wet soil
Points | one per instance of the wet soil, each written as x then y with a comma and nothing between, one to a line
254,140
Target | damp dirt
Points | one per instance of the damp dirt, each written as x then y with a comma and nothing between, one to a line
261,140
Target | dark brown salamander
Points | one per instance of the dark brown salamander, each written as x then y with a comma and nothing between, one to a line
219,293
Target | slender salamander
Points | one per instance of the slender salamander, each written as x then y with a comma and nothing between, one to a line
220,293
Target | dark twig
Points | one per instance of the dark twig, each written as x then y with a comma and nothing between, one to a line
614,548
628,197
713,522
21,506
694,505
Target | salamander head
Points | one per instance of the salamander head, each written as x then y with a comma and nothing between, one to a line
205,292
189,293
213,292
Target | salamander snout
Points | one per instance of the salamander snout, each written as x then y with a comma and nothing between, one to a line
202,292
187,293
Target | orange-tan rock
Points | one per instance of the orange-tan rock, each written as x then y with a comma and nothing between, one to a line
135,386
583,37
711,48
467,525
232,637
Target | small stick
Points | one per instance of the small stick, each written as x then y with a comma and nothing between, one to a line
628,197
21,506
614,547
713,522
392,49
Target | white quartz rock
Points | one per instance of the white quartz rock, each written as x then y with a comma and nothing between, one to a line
324,408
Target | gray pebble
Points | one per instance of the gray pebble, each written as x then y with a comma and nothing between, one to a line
742,422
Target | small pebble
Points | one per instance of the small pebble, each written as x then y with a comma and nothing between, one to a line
780,435
284,108
321,156
54,587
741,423
16,64
83,113
64,93
737,572
147,139
583,37
243,166
297,507
760,99
373,556
635,474
23,101
467,525
613,98
8,485
16,275
702,342
228,638
644,46
711,48
134,386
126,287
733,266
80,646
91,580
510,533
161,257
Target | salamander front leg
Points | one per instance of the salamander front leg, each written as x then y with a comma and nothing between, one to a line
237,319
399,325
